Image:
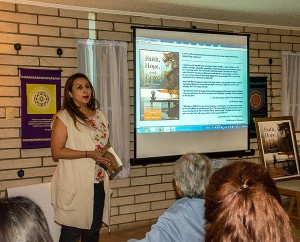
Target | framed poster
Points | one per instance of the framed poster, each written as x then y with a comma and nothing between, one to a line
278,146
297,134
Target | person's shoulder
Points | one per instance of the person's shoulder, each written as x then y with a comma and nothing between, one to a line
62,114
186,209
56,114
179,204
100,114
192,202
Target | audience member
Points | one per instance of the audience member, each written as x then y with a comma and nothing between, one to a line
184,220
22,220
242,204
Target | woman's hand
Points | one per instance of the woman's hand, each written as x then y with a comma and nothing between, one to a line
105,148
97,156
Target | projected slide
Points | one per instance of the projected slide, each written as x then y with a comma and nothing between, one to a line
191,92
188,86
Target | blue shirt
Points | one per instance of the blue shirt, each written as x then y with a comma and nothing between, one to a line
183,221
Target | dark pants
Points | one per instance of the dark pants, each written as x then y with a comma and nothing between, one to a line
72,234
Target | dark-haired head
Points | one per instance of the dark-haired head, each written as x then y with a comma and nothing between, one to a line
22,220
243,204
69,104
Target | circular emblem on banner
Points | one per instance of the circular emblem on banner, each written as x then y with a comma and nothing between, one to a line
255,100
41,99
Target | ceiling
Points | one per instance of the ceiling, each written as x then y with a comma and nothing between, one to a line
261,12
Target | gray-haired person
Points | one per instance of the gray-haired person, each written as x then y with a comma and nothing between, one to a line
184,220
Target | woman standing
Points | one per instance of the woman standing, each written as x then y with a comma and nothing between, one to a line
79,184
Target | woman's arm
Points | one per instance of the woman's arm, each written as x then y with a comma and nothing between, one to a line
59,137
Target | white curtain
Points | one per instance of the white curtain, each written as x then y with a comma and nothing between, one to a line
105,63
290,86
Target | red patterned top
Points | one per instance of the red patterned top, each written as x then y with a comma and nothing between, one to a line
100,134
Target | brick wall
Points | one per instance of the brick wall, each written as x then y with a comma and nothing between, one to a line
141,198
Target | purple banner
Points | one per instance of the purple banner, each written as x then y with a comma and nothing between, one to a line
41,99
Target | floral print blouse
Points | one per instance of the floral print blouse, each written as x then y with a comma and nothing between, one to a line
100,134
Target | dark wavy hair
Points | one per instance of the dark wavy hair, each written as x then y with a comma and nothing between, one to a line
22,220
243,204
69,104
